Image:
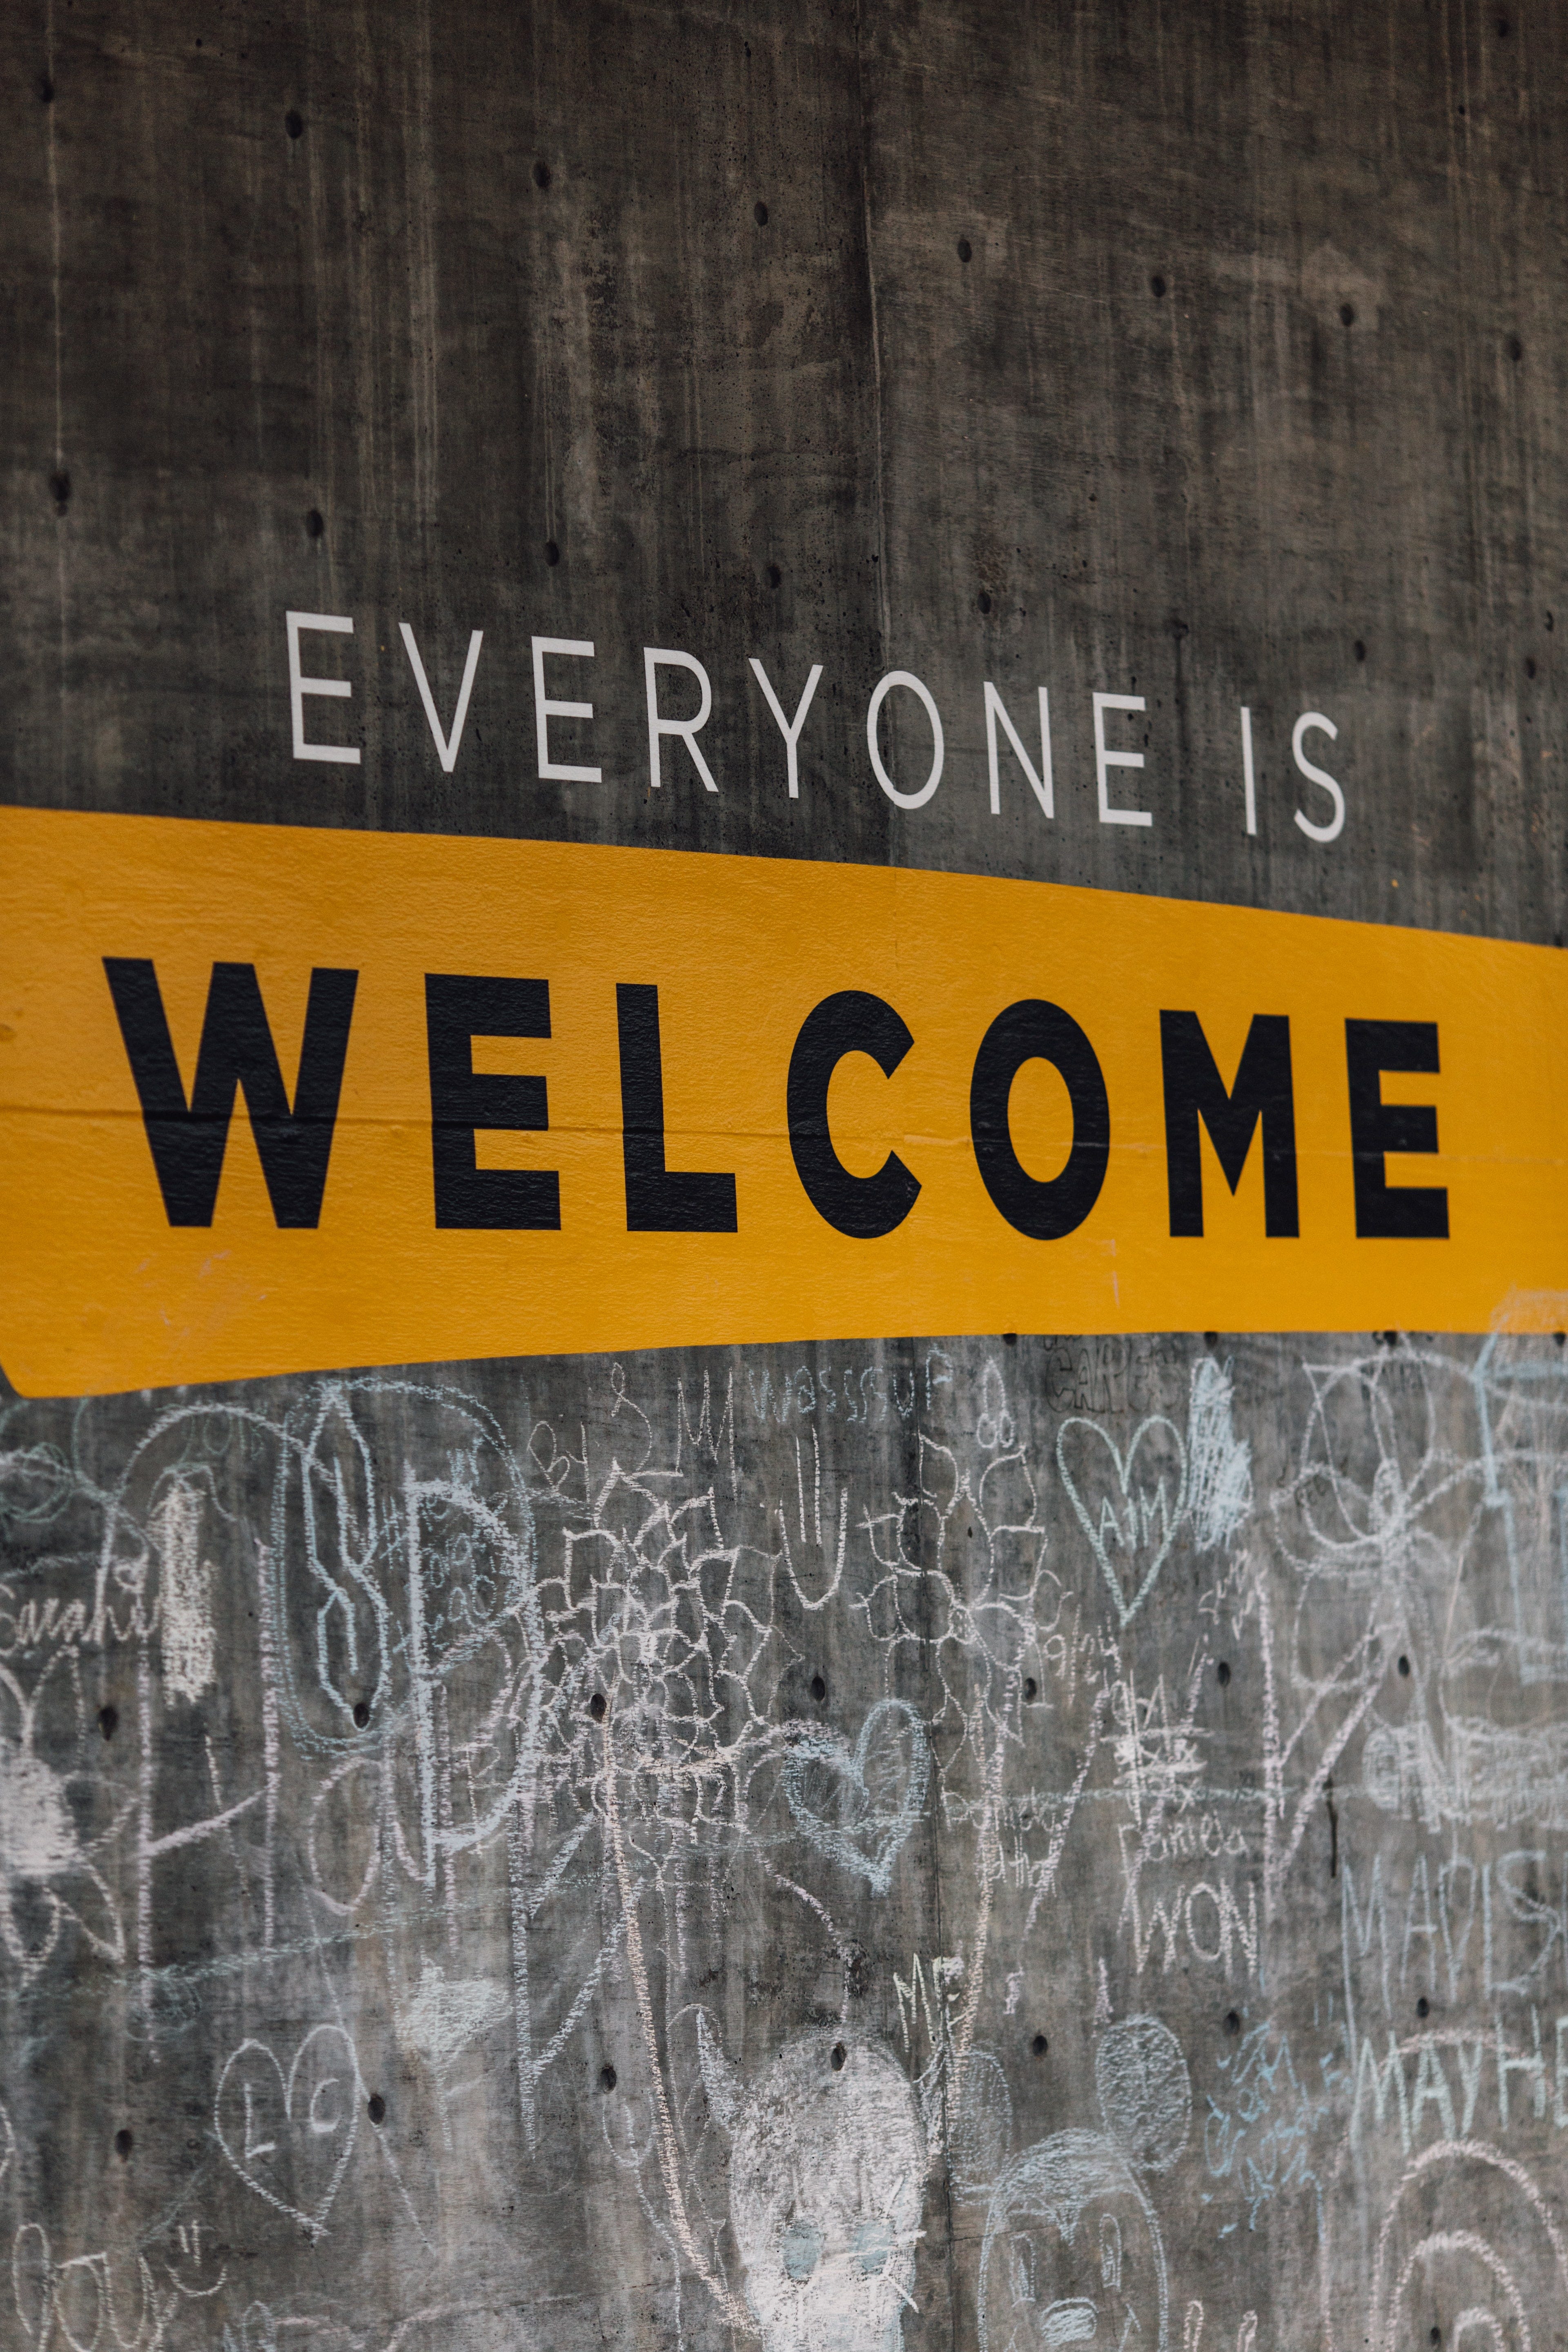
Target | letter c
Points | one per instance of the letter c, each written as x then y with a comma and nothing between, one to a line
1028,1031
852,1022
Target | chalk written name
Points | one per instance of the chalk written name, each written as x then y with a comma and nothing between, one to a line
664,666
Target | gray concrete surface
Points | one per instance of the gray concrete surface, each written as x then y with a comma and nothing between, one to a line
1016,1841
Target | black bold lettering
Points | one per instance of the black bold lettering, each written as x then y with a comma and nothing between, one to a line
188,1140
459,1007
1385,1211
659,1200
852,1022
1033,1031
1263,1091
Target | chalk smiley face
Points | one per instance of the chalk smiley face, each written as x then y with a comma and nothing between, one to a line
826,2175
1072,2252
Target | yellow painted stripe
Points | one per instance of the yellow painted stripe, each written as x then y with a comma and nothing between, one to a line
98,1291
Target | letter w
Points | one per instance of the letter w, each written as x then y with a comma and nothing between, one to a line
188,1142
1195,1090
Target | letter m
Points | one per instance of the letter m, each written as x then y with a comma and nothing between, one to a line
188,1140
1194,1091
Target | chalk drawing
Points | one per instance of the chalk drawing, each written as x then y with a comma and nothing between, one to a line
289,2136
1145,2091
1072,2252
857,1806
827,2169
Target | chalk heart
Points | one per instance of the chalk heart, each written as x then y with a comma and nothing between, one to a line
1130,1506
292,2132
857,1805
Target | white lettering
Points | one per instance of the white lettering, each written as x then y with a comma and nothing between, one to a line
447,751
657,657
1248,786
789,730
1336,825
345,755
1104,760
544,711
922,694
1041,784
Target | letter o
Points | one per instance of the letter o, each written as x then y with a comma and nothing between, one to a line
1201,1951
1033,1031
873,712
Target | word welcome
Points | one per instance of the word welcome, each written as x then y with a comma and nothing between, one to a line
236,1054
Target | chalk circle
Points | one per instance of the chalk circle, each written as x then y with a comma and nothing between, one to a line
1145,2091
874,711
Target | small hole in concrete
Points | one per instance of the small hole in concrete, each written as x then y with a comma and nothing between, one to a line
1435,2336
124,2142
1040,2045
60,491
1009,1338
1347,314
760,214
361,1714
294,122
314,522
1502,33
108,1721
1211,1339
818,1689
375,2107
775,577
1529,666
598,1706
1423,2007
607,2078
1232,2023
965,250
1515,348
1031,1688
1157,287
1358,649
1559,1337
1223,1671
984,602
1403,1667
552,552
46,90
542,175
1549,624
839,2055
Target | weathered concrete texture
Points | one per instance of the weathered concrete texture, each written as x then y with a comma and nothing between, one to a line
1015,1843
988,1842
506,288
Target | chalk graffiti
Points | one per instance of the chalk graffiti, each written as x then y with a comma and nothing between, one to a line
890,1783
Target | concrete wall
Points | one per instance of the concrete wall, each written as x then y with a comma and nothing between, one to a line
1018,1840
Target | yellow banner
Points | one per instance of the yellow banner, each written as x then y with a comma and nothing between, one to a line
280,1099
